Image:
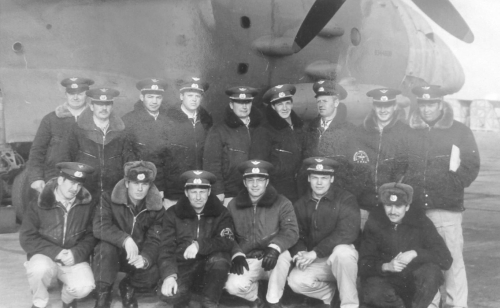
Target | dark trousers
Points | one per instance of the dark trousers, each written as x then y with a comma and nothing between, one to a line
210,272
110,259
414,289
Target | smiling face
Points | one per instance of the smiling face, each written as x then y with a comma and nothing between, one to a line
430,111
191,100
76,100
327,105
384,112
283,108
395,213
256,186
241,108
68,188
152,102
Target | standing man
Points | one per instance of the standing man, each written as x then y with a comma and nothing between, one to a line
54,126
324,255
266,227
196,242
228,143
444,159
128,225
189,125
281,140
98,139
57,236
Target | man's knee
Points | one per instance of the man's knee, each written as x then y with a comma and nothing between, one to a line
300,282
344,253
218,261
238,284
81,292
378,292
40,266
429,274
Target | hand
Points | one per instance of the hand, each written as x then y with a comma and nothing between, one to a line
270,258
221,197
138,262
305,259
169,286
238,264
395,265
191,251
66,257
407,256
38,185
131,249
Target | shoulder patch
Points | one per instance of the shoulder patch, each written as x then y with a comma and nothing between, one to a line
227,233
360,157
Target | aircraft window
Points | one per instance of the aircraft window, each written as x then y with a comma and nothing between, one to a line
355,36
242,68
245,22
17,47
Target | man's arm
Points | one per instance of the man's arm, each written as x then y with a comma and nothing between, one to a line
151,245
260,147
167,261
103,226
212,159
222,239
370,262
82,250
288,233
69,147
301,242
38,151
469,159
434,249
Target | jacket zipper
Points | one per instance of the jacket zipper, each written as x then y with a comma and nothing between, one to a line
198,227
314,214
425,165
195,144
378,157
135,218
253,223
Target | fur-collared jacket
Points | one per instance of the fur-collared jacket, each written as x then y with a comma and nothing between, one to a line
271,221
45,149
227,145
149,142
383,240
325,223
86,143
430,148
117,218
49,228
378,157
186,141
212,229
283,146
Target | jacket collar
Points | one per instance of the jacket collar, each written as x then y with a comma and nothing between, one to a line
184,210
278,123
47,199
446,120
176,114
339,119
267,200
232,120
153,197
86,121
370,122
62,111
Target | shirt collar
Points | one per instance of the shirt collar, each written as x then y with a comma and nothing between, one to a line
59,198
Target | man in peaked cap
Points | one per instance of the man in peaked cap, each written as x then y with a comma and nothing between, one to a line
196,241
402,254
329,221
54,126
228,143
266,227
57,236
128,224
444,159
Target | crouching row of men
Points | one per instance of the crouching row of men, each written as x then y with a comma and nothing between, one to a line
260,235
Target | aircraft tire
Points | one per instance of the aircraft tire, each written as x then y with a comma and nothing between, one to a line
21,193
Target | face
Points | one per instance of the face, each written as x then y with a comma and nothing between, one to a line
137,190
320,183
68,188
197,197
327,105
152,102
384,112
430,111
191,100
396,212
101,111
256,186
77,100
284,108
241,108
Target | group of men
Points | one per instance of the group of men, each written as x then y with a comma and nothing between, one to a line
165,197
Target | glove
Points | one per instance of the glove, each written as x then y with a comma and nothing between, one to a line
238,264
270,258
255,254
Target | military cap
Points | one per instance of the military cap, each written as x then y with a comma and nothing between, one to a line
395,194
151,86
279,92
198,178
77,172
383,95
242,93
430,93
320,165
329,87
76,85
140,171
194,84
255,167
102,95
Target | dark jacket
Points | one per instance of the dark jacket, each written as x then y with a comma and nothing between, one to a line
382,241
186,143
116,219
283,146
227,145
45,148
149,142
49,228
212,229
436,187
86,143
271,221
378,157
323,224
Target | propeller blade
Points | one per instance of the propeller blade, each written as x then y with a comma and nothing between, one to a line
318,16
447,17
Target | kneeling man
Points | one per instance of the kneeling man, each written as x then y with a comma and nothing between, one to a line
402,254
329,221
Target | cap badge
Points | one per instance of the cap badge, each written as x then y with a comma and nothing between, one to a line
154,87
74,86
319,160
426,88
279,86
319,167
80,166
73,79
141,176
242,89
321,82
426,96
197,181
383,90
78,174
393,198
196,78
384,99
255,170
255,162
194,85
243,95
103,97
282,94
154,80
197,172
321,89
104,90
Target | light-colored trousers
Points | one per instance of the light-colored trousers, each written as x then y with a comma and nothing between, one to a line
247,285
43,272
449,226
318,279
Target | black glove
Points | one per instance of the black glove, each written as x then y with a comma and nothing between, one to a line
238,264
270,258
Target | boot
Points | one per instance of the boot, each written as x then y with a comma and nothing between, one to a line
104,295
70,305
127,292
